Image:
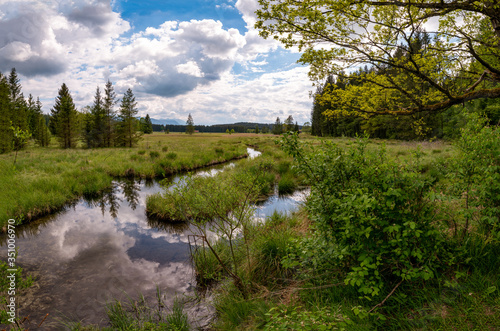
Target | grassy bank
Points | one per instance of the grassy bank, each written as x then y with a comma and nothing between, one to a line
44,179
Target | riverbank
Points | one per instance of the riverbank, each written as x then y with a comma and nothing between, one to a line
43,180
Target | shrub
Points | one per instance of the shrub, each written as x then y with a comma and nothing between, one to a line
373,217
154,154
171,155
164,148
141,152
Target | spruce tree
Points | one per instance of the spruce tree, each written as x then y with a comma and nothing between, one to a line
190,125
18,104
128,123
278,127
41,133
149,125
64,116
109,114
288,124
257,129
6,134
98,121
32,115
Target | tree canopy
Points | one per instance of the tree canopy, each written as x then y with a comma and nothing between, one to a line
425,55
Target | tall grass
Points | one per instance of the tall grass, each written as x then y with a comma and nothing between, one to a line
45,179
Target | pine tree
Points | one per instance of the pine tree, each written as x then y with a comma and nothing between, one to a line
190,125
146,125
278,127
109,114
6,134
64,116
19,107
257,129
32,115
296,127
98,121
289,124
41,133
128,124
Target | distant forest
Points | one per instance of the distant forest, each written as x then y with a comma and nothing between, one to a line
107,122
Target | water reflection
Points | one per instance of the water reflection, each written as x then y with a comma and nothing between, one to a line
99,249
103,248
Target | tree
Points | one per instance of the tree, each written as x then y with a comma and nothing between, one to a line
414,72
146,125
18,104
64,117
41,133
256,128
278,127
190,125
6,134
128,123
306,127
296,127
20,140
109,114
95,124
289,124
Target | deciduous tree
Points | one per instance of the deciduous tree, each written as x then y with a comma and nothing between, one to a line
460,63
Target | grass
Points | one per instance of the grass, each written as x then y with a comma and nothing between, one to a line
45,179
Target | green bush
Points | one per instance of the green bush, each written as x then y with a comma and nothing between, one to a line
154,154
374,219
171,155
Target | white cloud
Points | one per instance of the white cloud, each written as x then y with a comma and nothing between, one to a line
82,43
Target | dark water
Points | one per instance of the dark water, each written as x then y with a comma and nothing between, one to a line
104,248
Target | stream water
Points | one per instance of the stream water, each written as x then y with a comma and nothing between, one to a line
104,248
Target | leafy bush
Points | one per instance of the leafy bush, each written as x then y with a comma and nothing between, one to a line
373,217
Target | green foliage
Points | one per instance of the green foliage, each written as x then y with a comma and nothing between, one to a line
146,125
22,282
373,217
154,154
295,318
277,127
64,118
190,125
286,185
128,125
412,72
477,177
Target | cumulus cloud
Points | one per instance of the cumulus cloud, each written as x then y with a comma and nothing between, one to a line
83,43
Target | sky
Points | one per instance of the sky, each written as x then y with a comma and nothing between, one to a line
178,57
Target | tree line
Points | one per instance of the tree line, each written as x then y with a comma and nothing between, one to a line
100,124
329,117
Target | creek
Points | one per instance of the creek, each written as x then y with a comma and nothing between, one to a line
104,248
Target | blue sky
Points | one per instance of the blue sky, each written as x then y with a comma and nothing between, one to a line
179,57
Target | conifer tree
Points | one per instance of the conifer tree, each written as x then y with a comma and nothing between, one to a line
64,116
190,125
257,129
278,127
32,115
146,125
98,121
6,134
128,124
289,124
109,114
41,133
19,111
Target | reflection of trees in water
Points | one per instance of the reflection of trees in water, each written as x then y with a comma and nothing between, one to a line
108,199
169,227
131,190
